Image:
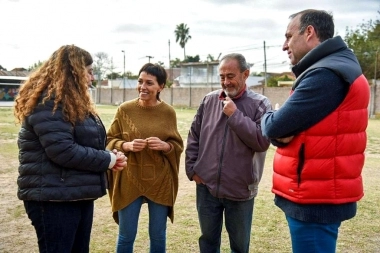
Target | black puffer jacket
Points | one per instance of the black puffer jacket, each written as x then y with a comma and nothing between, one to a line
59,161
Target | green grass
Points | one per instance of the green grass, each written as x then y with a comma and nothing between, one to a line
269,228
8,132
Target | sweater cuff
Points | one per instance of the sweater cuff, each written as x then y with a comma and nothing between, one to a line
171,148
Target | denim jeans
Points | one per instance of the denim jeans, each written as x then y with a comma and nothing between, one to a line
61,226
313,237
128,221
238,219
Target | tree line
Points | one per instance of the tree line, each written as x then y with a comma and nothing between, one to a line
365,43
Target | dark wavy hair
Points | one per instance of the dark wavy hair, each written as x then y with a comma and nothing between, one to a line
63,77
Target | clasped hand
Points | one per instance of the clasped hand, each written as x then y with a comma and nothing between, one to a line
153,143
121,160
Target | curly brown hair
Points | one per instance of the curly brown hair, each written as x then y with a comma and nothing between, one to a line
63,78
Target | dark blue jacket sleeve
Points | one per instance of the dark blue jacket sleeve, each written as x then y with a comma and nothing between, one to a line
319,93
57,138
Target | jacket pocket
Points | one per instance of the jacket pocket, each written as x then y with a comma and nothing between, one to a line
301,162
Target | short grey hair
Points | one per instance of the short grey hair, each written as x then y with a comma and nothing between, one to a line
243,65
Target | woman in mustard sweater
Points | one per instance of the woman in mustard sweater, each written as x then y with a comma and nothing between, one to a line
145,129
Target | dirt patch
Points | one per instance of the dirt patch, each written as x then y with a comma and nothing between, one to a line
16,233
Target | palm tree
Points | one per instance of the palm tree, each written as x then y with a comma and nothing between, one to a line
210,57
182,35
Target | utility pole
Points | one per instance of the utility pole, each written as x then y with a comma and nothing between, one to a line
190,88
169,55
123,77
170,65
99,85
265,65
149,57
171,77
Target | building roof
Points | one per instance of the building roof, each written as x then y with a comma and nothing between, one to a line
175,71
14,72
200,63
254,81
282,74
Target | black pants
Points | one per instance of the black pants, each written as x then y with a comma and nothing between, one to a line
61,226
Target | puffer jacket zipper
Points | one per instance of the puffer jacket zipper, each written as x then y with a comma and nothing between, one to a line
103,176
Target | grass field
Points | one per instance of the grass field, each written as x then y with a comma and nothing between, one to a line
269,227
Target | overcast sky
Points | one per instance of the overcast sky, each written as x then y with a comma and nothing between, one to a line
31,30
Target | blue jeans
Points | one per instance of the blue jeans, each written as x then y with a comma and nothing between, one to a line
61,226
238,219
128,221
313,237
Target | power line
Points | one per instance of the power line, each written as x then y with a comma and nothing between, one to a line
253,48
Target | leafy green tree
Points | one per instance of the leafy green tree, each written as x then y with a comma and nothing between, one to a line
110,68
176,63
161,63
114,75
182,35
210,57
101,65
168,84
192,58
365,42
273,80
130,75
35,66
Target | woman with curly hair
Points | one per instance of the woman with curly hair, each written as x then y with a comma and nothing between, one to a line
63,161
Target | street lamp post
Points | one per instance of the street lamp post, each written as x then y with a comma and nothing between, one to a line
265,66
123,77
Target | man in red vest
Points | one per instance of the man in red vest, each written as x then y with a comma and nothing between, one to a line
319,133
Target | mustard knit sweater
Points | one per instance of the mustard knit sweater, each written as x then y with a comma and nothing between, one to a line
149,173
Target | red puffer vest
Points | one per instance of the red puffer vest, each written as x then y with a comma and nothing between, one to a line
324,163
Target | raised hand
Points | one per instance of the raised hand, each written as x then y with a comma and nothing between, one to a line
229,106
